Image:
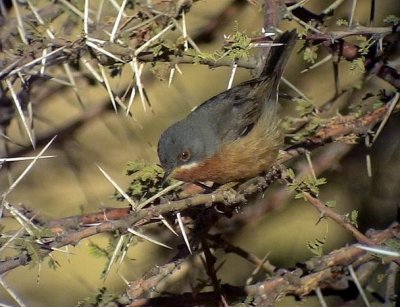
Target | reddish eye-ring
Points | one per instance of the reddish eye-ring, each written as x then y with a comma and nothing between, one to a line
184,156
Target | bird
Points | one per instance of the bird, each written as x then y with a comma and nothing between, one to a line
234,135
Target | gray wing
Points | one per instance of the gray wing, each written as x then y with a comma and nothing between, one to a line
232,113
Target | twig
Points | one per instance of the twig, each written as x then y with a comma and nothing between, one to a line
230,248
338,218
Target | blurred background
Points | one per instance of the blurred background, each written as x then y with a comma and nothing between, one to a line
71,182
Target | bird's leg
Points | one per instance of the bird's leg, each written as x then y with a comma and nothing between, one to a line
207,188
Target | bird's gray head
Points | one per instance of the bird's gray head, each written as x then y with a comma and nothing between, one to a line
184,144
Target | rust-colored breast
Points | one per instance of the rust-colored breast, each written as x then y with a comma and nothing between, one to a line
246,157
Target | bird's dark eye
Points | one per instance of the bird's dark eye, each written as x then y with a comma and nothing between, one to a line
184,156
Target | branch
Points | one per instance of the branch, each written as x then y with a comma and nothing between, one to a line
317,272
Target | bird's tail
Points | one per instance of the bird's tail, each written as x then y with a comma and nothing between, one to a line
271,74
278,56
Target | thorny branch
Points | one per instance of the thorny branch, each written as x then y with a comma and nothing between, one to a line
321,272
113,219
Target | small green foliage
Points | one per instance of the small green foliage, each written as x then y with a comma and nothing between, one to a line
193,53
147,180
34,252
377,104
306,28
310,54
307,184
330,203
342,22
102,298
380,278
113,251
289,174
304,106
53,264
302,32
392,19
352,217
238,45
357,65
42,233
98,251
207,56
287,123
392,244
316,246
308,130
364,44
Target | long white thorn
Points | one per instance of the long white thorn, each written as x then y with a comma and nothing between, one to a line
168,225
20,112
119,189
184,31
11,293
232,76
37,60
147,43
2,160
137,71
114,255
148,238
131,98
103,51
182,228
358,285
20,24
86,18
15,183
159,194
392,105
108,87
171,76
117,21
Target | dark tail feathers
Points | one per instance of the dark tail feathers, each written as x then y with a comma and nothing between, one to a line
279,55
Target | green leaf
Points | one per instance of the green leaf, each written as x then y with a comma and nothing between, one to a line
53,264
147,180
289,174
304,106
316,246
392,19
330,203
103,297
393,244
353,216
98,251
377,104
308,184
357,65
381,278
364,44
310,54
342,22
